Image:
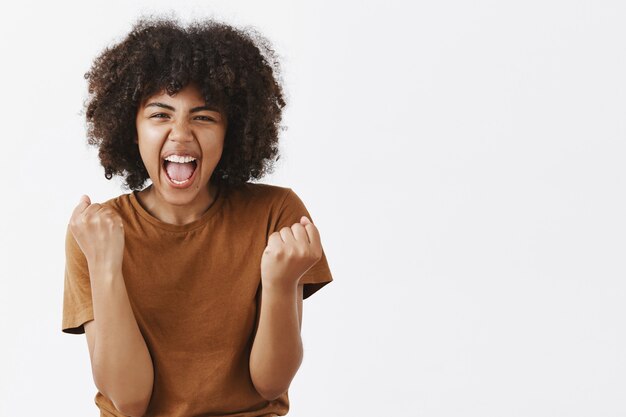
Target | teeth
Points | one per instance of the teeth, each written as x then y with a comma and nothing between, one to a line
180,159
179,182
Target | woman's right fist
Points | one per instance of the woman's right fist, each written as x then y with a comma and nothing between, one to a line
99,231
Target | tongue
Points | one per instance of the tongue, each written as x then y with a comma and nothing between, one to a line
179,172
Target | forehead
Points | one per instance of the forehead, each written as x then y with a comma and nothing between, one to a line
189,93
190,96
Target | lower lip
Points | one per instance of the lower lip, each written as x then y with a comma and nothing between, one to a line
187,184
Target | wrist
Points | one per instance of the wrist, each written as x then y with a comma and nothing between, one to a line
104,267
279,286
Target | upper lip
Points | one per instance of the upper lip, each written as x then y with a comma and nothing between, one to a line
181,153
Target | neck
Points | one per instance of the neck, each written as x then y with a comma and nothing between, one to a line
178,212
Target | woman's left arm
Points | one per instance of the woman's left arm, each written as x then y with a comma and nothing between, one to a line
277,349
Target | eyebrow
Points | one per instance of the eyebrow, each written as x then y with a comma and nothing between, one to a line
209,107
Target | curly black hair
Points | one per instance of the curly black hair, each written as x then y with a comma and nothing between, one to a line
235,69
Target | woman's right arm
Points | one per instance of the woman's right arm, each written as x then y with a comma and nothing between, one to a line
120,361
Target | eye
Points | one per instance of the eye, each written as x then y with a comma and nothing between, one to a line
207,118
159,114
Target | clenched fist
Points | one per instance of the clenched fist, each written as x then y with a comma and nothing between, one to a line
99,231
289,253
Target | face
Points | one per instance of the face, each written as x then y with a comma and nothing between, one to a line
180,125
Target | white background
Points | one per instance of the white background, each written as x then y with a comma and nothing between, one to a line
463,160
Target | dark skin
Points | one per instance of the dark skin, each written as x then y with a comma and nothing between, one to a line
277,350
247,86
158,55
161,129
173,124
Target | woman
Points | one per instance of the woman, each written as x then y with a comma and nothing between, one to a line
190,290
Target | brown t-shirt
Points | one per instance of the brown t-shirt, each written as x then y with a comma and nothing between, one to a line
193,291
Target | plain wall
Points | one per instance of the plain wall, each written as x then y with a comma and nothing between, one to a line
463,161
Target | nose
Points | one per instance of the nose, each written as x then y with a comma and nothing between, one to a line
181,131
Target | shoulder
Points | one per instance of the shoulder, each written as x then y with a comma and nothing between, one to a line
121,204
259,188
116,201
261,193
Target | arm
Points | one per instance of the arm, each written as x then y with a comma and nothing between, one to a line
121,363
277,349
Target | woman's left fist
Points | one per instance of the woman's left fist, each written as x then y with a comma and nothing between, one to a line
289,253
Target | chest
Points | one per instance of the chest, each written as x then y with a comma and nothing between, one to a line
206,280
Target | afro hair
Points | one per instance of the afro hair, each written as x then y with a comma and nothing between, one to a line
234,69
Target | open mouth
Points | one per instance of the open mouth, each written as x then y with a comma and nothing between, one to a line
180,175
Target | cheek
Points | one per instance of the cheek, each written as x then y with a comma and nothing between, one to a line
150,142
213,152
216,155
151,136
151,156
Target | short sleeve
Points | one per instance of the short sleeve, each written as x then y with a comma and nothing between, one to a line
77,302
291,210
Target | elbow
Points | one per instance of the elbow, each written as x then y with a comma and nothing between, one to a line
272,386
132,402
270,395
137,409
130,409
267,391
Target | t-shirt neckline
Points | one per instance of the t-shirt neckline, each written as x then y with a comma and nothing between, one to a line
213,208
